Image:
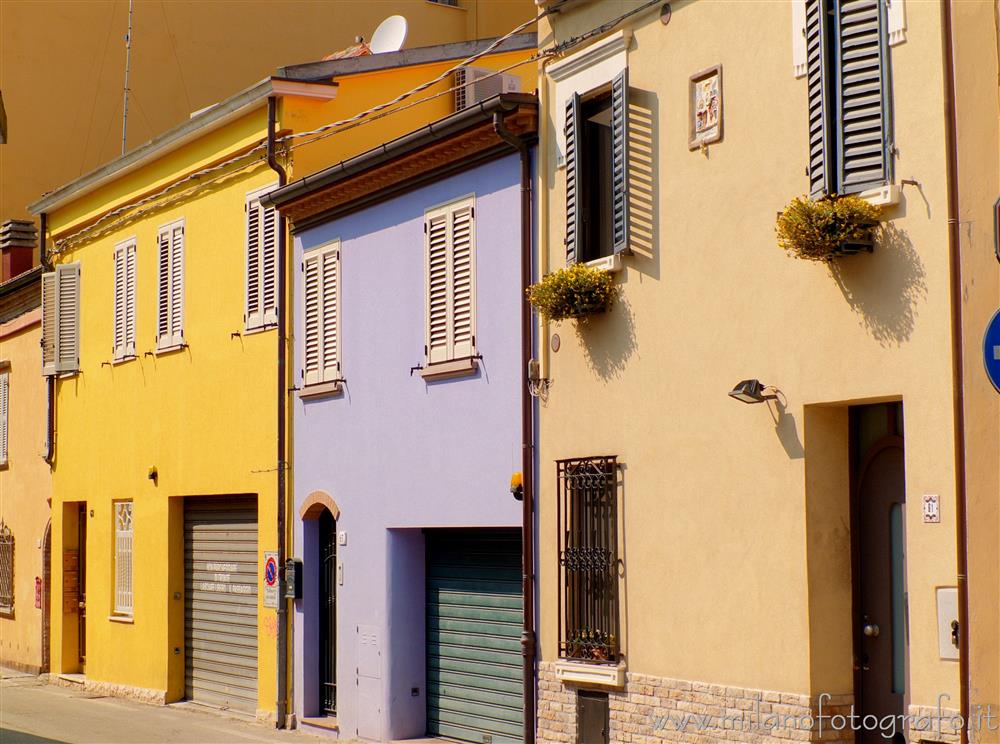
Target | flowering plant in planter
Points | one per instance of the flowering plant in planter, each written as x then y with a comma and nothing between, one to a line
574,292
821,229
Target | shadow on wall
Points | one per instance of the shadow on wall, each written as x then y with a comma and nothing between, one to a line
608,339
643,186
886,287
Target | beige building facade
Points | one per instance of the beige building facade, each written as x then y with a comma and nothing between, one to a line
714,571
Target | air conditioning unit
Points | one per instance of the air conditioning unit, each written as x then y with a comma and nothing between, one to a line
474,84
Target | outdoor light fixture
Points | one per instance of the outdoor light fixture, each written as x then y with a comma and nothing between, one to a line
751,391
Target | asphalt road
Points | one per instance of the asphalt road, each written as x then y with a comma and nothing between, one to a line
33,712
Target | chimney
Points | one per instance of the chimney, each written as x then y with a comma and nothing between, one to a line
17,246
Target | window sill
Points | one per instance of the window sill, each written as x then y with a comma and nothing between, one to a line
321,390
448,370
259,329
123,619
122,360
170,349
612,263
883,196
583,673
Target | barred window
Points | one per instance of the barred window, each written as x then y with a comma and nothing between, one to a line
6,569
588,559
123,557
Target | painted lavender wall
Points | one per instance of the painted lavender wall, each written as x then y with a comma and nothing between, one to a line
398,454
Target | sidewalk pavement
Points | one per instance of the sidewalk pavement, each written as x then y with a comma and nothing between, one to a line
35,712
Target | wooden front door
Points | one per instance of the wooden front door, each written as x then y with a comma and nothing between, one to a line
82,537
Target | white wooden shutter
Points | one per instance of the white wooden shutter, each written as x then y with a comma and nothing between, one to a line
4,414
799,55
49,323
321,315
450,247
262,263
124,346
897,22
67,352
123,557
170,288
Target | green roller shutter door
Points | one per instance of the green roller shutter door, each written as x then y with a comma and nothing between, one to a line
474,620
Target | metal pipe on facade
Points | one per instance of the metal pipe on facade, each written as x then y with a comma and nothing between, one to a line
281,704
957,359
50,381
527,435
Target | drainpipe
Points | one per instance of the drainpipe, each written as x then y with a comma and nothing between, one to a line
527,437
50,381
272,104
957,357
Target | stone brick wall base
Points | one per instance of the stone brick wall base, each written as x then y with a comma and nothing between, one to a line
139,694
931,724
657,709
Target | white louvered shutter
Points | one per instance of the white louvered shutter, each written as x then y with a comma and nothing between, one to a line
163,289
49,323
450,247
123,557
321,315
67,353
130,279
120,301
170,288
262,263
4,414
437,287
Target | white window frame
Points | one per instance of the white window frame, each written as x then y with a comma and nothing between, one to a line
124,512
124,300
452,351
172,336
261,318
4,413
321,373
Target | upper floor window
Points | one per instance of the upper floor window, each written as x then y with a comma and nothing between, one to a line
170,287
450,266
588,558
123,557
262,261
4,411
596,131
61,320
321,315
124,347
850,112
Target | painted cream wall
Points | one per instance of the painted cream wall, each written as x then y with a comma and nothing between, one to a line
186,55
25,484
734,536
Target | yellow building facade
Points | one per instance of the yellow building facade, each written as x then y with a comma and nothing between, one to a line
733,569
166,476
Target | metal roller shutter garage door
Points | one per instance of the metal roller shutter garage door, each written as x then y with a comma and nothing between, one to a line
474,616
220,612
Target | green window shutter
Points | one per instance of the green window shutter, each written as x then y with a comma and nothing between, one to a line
818,73
574,217
619,161
861,95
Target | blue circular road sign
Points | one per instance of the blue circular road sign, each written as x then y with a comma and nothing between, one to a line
991,350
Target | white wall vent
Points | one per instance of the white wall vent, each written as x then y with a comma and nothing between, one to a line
474,84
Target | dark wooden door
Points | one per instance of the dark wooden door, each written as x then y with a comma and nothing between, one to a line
880,619
328,613
82,558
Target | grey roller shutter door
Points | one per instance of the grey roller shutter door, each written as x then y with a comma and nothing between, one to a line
474,619
220,613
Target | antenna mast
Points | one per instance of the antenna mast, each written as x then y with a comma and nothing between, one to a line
128,58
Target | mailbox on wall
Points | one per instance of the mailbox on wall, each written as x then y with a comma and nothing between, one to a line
293,578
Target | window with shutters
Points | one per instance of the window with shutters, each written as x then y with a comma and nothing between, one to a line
61,320
262,261
4,412
321,316
596,131
850,111
450,266
170,287
124,342
123,558
6,569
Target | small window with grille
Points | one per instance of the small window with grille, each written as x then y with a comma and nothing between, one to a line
588,559
6,569
123,558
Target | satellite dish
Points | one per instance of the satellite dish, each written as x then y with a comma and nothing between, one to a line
389,36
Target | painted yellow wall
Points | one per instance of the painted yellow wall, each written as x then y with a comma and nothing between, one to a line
25,484
737,567
186,55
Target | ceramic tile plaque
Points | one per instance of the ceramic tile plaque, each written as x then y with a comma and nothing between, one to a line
705,93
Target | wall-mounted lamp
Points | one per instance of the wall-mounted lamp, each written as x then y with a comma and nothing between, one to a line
751,391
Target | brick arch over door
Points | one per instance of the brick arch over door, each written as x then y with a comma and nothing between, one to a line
315,503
